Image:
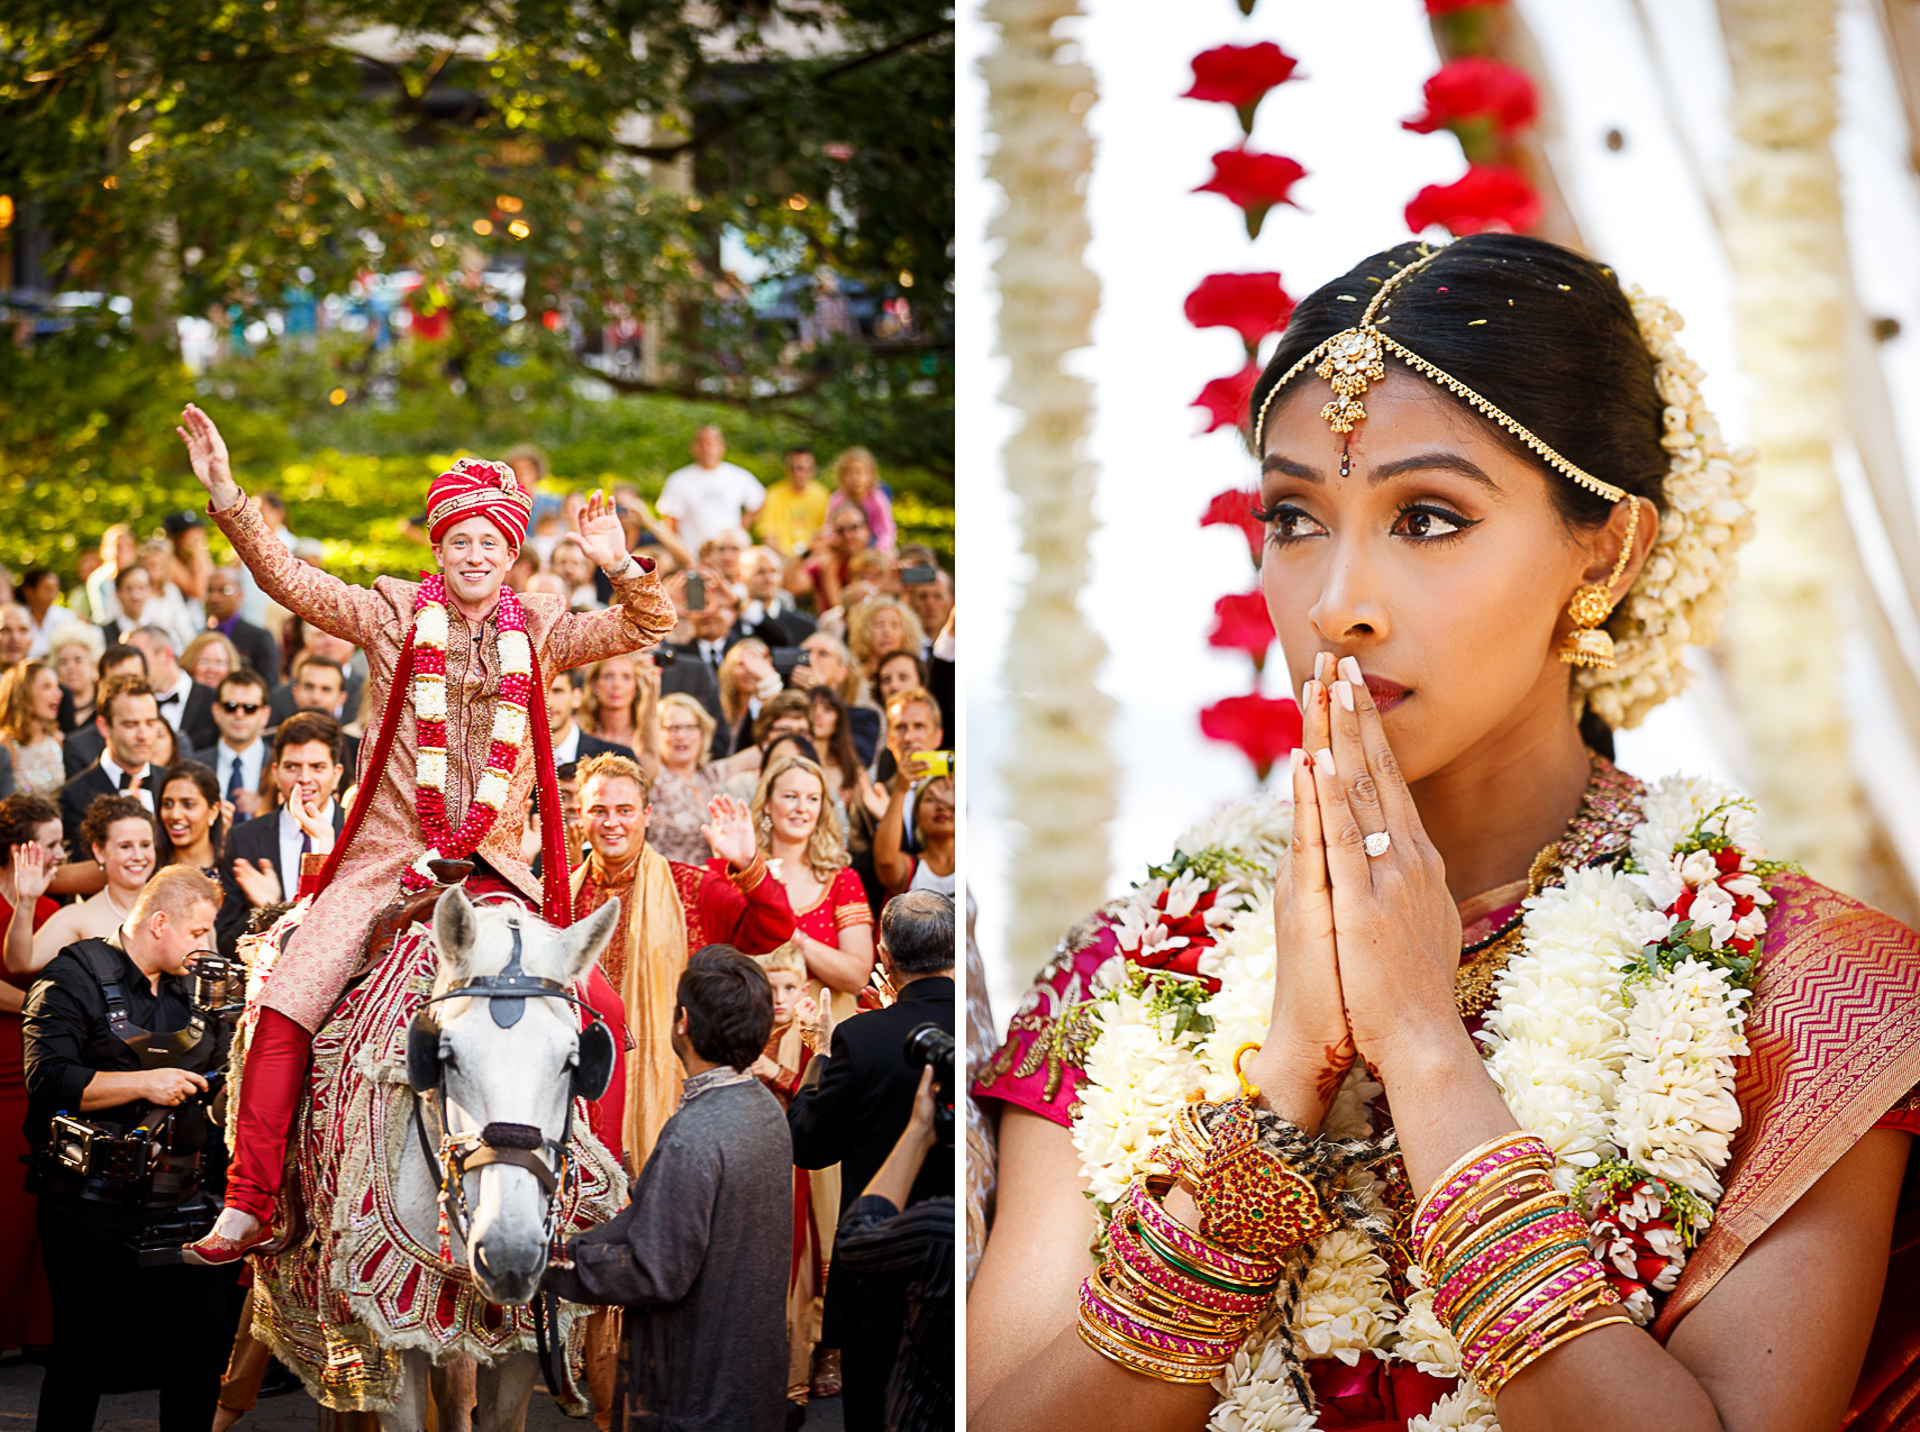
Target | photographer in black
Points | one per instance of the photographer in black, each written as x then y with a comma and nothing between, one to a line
855,1114
118,1058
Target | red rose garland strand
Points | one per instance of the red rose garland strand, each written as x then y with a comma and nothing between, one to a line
1485,105
1255,306
509,732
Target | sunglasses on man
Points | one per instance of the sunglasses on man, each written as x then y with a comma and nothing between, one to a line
242,708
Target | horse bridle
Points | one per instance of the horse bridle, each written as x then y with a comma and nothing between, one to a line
513,1145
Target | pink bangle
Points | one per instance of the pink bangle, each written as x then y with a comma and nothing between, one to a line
1104,1313
1574,1278
1560,1225
1204,1254
1142,1263
1457,1182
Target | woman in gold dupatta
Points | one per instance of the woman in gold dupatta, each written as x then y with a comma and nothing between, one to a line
1495,513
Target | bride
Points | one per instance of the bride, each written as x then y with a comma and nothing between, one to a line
1650,1093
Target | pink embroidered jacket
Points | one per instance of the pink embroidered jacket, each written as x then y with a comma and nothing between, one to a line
326,949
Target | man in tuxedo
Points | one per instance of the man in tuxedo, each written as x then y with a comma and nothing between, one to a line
853,1115
320,683
262,864
186,705
256,644
240,757
695,668
129,722
83,744
770,613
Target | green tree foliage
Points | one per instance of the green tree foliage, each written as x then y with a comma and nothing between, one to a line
216,157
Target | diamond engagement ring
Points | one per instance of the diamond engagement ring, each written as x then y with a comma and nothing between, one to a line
1378,844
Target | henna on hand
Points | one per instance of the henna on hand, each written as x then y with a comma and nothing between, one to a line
1334,1072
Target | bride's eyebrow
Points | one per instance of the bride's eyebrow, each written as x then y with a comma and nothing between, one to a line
1275,464
1431,462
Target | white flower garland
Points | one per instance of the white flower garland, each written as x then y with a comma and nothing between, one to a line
1613,1037
1679,597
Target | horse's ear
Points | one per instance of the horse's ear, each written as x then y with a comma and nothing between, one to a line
583,942
454,928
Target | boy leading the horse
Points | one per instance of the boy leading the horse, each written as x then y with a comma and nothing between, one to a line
457,665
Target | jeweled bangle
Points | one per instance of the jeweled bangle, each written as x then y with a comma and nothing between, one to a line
1535,1332
1125,1337
1498,1300
1174,1276
1461,1277
1137,1359
1468,1172
1253,1198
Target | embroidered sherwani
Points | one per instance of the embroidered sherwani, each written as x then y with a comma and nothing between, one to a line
326,950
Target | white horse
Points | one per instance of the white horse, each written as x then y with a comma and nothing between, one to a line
507,1070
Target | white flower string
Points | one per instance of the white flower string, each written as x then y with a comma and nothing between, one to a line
1681,593
1613,1036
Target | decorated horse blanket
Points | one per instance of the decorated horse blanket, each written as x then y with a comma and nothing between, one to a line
355,1288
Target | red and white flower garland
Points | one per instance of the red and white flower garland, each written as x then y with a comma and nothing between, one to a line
1613,1037
429,697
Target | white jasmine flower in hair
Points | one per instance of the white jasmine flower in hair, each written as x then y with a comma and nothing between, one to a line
1344,1308
1256,1393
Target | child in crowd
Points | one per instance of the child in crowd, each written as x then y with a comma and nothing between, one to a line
799,1029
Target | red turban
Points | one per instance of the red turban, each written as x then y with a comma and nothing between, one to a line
474,487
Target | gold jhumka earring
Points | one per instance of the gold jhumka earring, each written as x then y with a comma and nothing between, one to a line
1589,644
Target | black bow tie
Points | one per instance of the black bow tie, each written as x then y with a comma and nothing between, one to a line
169,699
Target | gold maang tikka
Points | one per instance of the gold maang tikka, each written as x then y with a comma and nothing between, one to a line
1589,644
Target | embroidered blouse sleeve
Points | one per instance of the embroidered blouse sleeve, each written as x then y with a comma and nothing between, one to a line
640,616
850,907
1041,1066
355,614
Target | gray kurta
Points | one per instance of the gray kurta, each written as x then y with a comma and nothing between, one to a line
699,1261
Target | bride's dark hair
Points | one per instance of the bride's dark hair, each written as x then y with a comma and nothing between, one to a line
1542,333
1539,331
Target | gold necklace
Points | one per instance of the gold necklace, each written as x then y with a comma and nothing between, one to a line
1474,983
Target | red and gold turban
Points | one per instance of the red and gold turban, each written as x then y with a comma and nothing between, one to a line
474,487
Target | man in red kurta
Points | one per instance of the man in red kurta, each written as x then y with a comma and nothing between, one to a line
671,910
451,774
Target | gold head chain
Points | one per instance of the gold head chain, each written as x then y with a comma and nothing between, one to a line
1355,358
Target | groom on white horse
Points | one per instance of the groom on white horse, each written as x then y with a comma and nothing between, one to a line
457,664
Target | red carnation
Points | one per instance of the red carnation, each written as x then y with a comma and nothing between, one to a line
1264,728
1256,182
1240,75
1226,399
1252,304
1490,197
1234,508
1477,91
1241,623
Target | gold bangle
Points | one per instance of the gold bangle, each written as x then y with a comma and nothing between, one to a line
1499,1374
1586,1296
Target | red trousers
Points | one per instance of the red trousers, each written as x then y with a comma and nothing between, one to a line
272,1084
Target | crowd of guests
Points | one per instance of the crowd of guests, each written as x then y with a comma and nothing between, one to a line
165,713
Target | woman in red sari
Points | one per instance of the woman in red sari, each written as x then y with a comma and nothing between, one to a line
30,851
1495,513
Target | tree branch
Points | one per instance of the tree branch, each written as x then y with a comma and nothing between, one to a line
748,110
